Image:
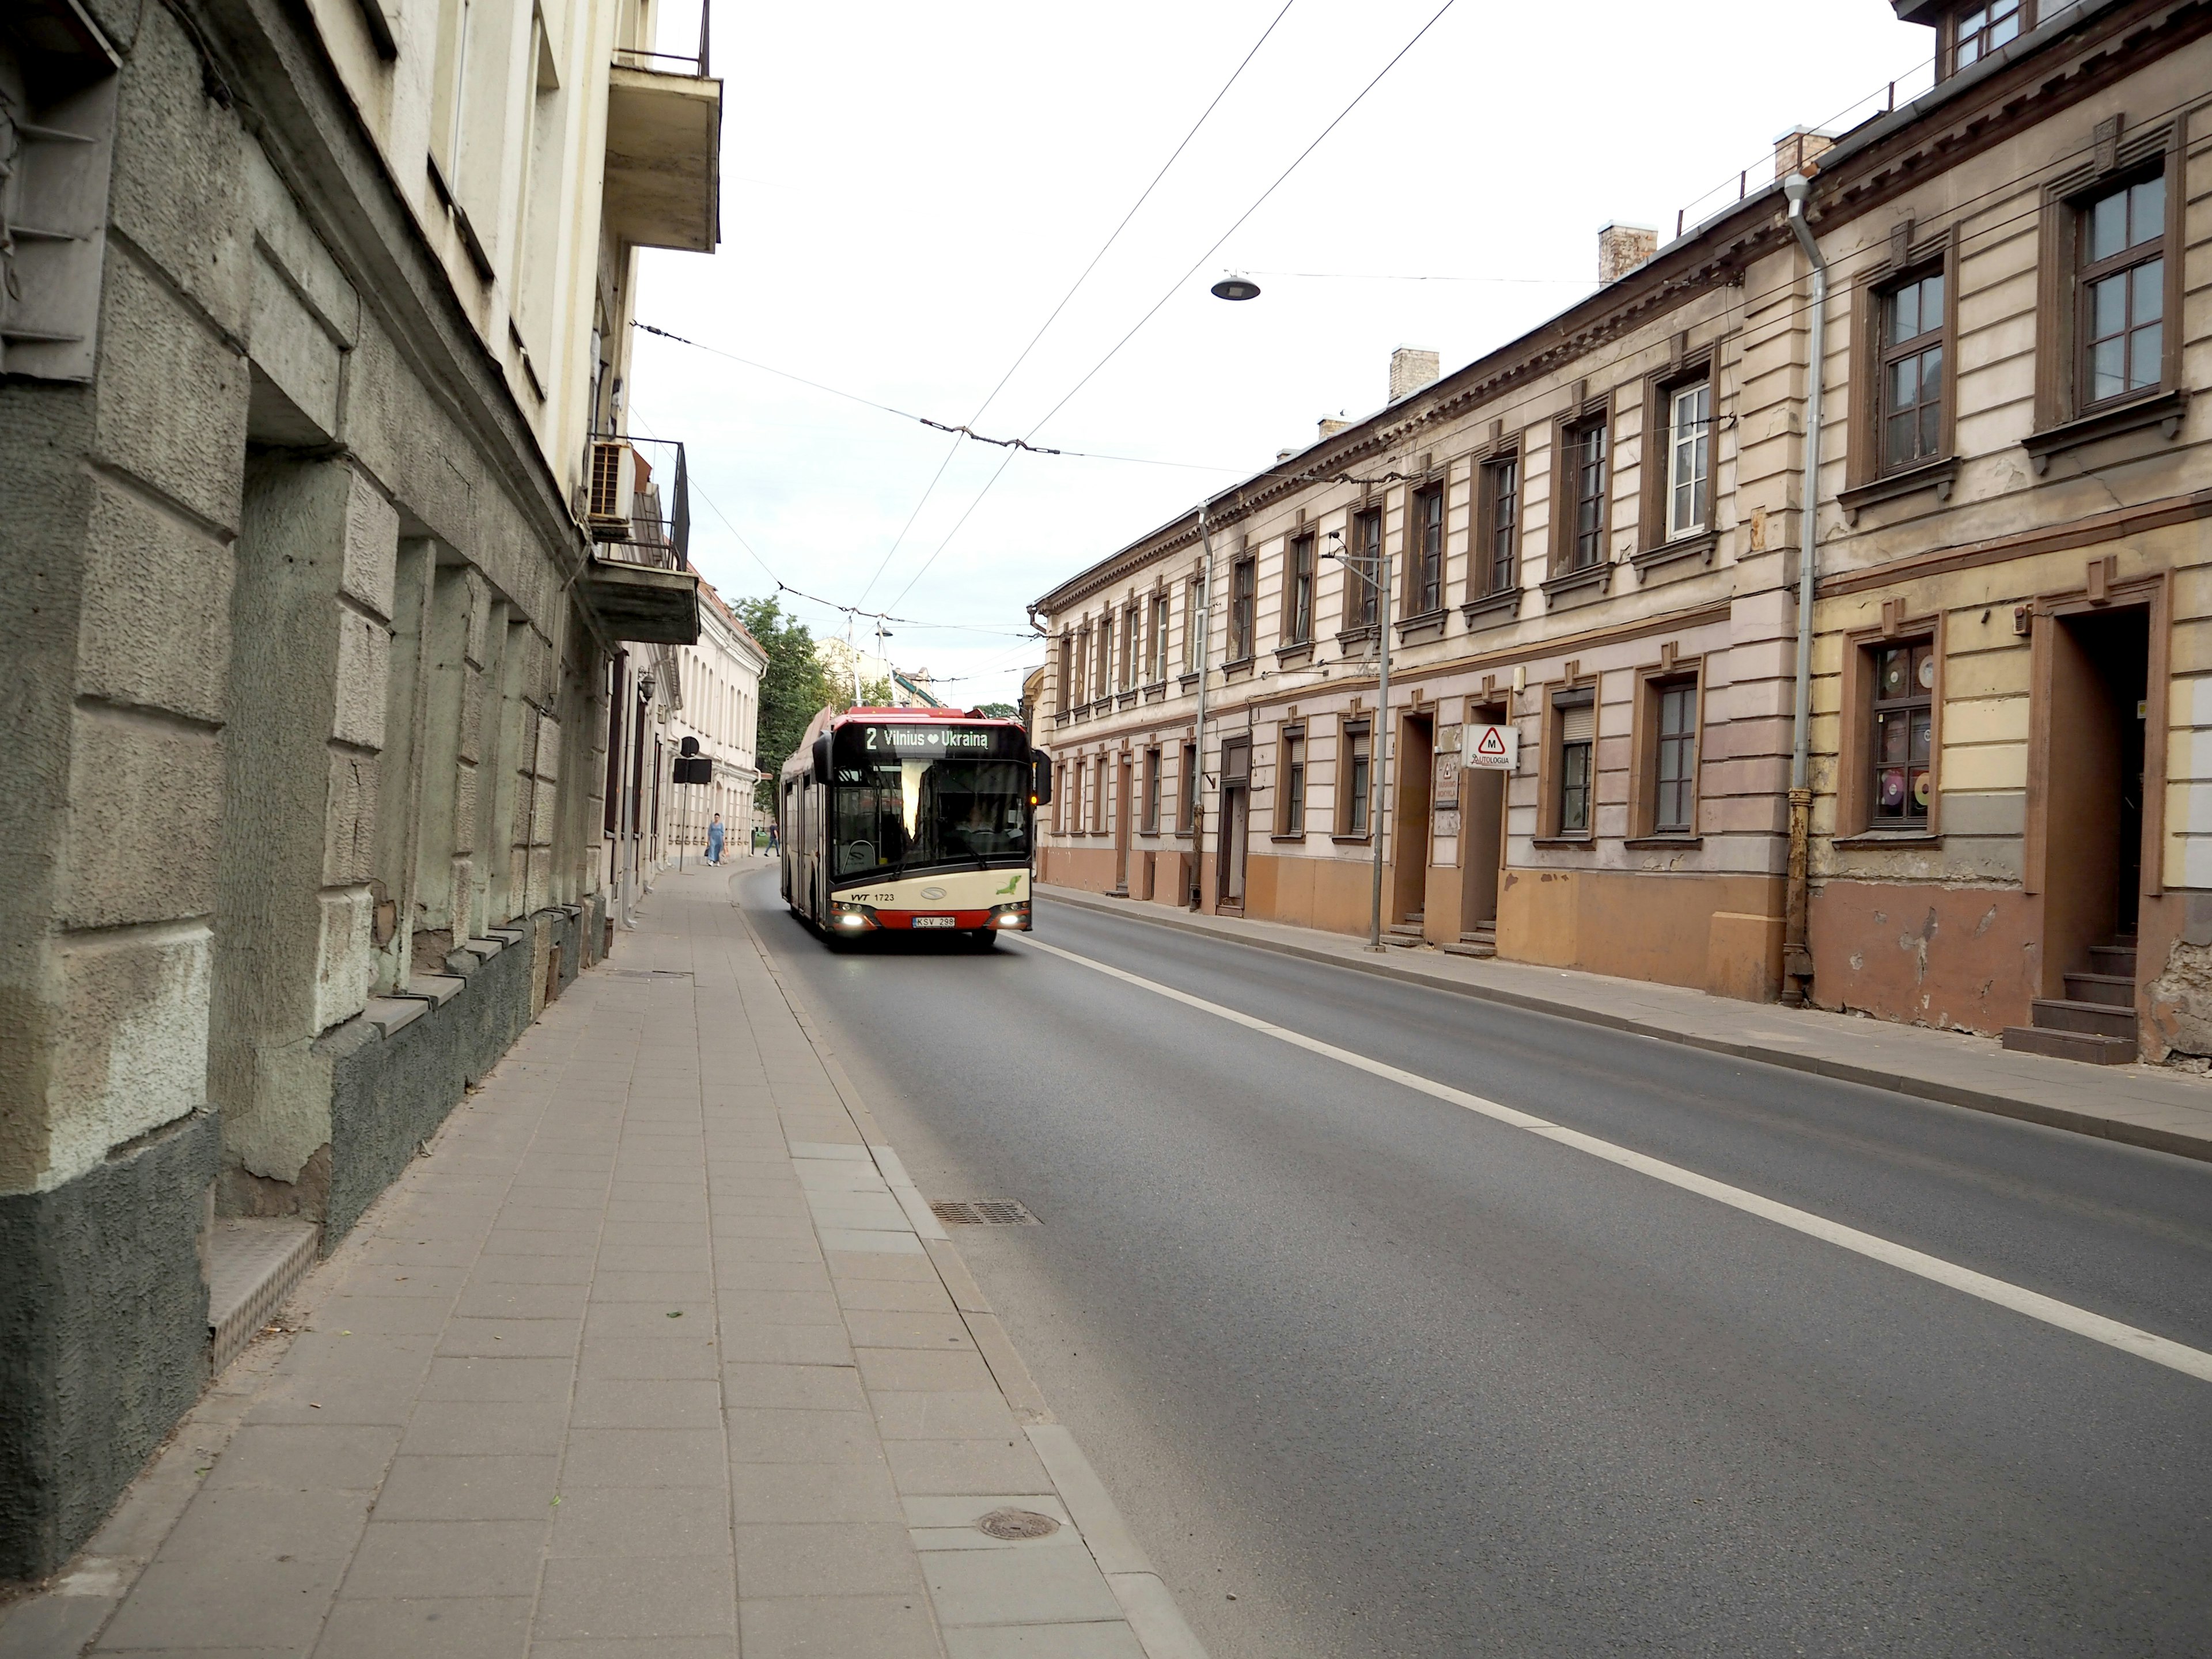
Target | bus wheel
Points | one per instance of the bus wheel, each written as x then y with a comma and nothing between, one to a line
983,938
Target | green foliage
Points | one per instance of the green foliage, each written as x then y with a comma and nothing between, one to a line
795,687
1001,711
875,694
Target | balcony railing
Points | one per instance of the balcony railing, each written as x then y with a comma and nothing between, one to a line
672,63
656,529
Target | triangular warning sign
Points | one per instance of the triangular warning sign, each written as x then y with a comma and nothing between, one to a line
1492,742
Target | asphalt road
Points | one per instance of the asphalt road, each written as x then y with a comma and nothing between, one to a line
1372,1374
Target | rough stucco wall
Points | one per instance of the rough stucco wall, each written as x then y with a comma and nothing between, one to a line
103,1336
1946,957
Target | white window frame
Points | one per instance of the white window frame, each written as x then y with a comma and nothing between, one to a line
1689,459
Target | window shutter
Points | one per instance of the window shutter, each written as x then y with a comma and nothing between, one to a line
1578,724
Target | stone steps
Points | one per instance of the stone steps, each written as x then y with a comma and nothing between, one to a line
252,1266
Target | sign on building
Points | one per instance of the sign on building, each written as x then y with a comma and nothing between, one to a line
1495,748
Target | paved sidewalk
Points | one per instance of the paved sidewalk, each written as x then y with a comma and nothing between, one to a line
2144,1105
655,1351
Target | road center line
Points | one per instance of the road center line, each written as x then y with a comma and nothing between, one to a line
2191,1361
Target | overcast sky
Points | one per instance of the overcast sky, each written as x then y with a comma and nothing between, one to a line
909,190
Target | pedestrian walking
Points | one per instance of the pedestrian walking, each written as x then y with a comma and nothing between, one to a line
714,840
773,842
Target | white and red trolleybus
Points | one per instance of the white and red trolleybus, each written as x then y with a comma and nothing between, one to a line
911,819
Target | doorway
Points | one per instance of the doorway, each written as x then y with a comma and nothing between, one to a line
2093,788
1121,830
1481,836
1236,817
1415,775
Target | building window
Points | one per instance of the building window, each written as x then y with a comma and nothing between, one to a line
1243,599
2122,241
1912,342
1187,790
1900,737
1577,774
1159,638
1674,763
1981,30
1689,459
1079,687
1357,778
1425,582
1363,570
1298,594
1290,807
1589,471
1131,634
1193,625
1500,520
1101,680
1152,819
1102,780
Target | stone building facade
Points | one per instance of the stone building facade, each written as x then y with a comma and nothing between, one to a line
718,706
311,315
1595,539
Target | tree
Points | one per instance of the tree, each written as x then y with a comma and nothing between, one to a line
795,687
1002,711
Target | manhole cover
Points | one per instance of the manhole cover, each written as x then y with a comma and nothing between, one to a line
982,1213
1016,1523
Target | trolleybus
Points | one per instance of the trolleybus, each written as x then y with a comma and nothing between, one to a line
911,819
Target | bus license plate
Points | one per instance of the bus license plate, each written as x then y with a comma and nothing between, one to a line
936,921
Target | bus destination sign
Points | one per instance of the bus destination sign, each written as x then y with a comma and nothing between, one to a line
903,741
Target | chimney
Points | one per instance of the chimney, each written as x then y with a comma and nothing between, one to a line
1795,149
1621,248
1331,426
1411,368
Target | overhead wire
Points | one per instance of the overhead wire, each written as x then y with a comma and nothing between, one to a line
1082,276
1176,287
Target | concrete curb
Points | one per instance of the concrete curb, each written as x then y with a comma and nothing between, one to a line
1948,1094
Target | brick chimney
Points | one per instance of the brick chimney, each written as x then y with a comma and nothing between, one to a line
1797,147
1330,426
1411,368
1621,248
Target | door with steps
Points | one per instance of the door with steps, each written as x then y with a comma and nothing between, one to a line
2095,1020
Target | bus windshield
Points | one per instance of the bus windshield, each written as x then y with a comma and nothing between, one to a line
891,812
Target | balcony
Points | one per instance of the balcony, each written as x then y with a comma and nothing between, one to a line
639,583
664,149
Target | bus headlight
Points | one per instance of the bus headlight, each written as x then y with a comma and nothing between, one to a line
852,918
1012,915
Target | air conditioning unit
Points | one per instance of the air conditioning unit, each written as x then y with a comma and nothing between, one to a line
613,489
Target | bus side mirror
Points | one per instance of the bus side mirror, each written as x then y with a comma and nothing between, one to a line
822,758
1039,779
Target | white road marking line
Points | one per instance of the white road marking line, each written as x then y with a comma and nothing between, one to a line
2191,1362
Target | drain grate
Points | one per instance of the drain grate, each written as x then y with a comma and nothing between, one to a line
983,1212
1016,1524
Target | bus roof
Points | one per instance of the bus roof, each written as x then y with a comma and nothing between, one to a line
859,711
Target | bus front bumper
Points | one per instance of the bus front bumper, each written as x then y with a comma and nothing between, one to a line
849,918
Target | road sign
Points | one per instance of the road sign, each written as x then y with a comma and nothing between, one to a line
1497,748
690,769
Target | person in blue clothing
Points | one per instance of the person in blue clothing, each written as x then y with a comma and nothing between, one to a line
714,840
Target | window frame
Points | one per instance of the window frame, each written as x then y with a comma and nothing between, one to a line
1567,533
1854,819
1654,684
1354,813
1579,691
1293,769
1483,560
1416,599
1243,610
1889,352
1301,577
1654,534
1159,609
1868,476
1186,788
1150,822
2061,399
1952,37
1363,583
1193,602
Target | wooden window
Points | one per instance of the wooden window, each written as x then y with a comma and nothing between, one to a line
1102,670
1689,459
1298,592
1151,819
1587,461
1362,569
1354,779
1080,687
1243,601
1914,336
1130,635
1577,766
1290,775
1900,735
1979,30
1495,566
1193,624
1159,638
1187,790
1425,567
2121,243
1674,759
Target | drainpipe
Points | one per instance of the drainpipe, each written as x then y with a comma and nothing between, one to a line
1204,623
1797,954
